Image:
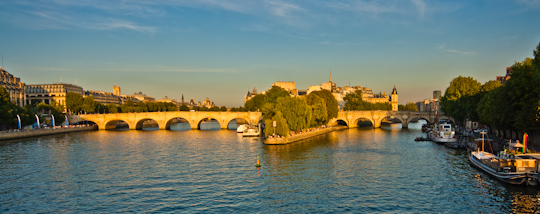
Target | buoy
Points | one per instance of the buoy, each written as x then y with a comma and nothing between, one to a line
258,164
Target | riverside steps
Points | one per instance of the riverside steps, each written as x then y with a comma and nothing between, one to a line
43,132
287,140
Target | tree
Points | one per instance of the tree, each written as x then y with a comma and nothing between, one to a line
523,95
223,108
296,112
214,108
332,107
74,102
408,107
282,128
255,103
89,105
51,109
318,108
184,107
354,101
143,106
452,105
112,108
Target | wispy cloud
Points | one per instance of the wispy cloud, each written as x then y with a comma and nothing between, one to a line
421,7
128,14
145,69
344,43
531,3
443,47
163,68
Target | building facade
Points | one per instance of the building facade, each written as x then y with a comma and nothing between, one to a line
47,93
14,87
143,97
338,92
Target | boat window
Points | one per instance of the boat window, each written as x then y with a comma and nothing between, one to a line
446,127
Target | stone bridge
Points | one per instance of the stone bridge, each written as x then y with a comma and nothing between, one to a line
376,117
165,119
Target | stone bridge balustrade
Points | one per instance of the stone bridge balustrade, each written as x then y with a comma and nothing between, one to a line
164,119
376,117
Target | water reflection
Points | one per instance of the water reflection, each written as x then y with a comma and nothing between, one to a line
195,171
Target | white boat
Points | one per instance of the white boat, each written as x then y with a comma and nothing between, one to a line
443,132
242,128
251,131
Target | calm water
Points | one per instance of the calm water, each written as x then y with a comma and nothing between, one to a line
355,171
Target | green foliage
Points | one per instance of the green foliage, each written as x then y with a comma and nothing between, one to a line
203,108
214,108
255,103
465,88
407,107
184,107
89,105
4,96
354,101
281,125
332,108
74,102
296,111
111,108
223,108
51,109
512,106
318,109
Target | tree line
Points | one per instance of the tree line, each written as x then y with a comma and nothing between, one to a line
76,104
293,113
511,106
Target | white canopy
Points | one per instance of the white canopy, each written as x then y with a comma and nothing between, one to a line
516,145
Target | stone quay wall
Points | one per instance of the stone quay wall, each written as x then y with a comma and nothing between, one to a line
43,132
287,140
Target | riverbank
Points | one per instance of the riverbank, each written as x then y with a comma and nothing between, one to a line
287,140
43,132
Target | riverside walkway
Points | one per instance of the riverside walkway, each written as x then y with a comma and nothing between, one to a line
21,134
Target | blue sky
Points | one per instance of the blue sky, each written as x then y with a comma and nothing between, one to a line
221,48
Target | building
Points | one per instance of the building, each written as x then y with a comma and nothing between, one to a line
107,97
47,93
143,97
248,96
206,103
14,87
338,92
437,95
394,99
503,79
429,106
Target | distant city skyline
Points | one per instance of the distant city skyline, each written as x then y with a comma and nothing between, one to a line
222,49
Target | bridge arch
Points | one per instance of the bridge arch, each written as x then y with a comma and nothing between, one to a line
140,122
245,120
337,122
355,121
170,122
112,124
418,118
209,119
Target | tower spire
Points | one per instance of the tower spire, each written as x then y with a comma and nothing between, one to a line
330,75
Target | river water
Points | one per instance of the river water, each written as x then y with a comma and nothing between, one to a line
351,171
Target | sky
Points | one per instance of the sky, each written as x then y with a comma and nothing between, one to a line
220,49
